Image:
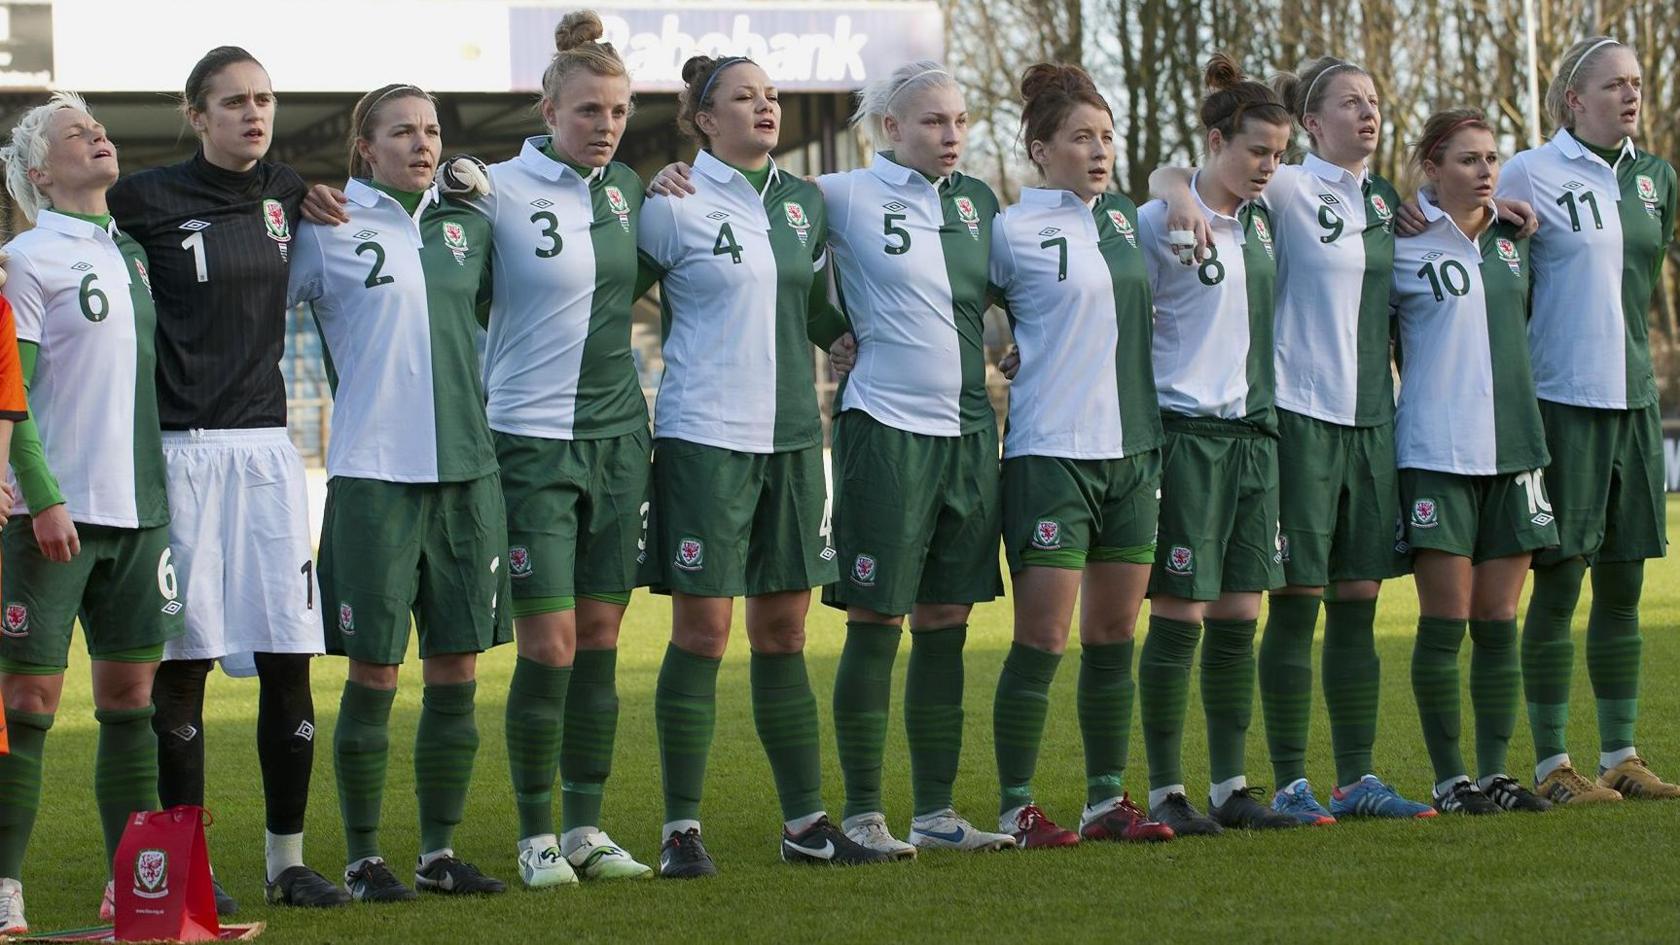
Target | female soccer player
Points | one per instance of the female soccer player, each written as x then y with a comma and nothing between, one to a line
1470,451
1218,541
1333,222
1609,211
571,435
414,519
218,230
1081,458
743,269
88,539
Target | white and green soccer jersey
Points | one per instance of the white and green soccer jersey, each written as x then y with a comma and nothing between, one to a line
911,258
395,298
1077,292
736,269
79,290
1597,255
1335,243
558,362
1212,350
1467,401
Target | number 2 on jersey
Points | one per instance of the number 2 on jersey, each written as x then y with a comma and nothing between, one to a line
374,279
194,243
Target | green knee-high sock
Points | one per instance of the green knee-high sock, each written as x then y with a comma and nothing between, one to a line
536,704
1435,685
1613,648
586,746
1352,679
361,747
124,770
445,744
1286,682
1163,685
785,714
1495,691
862,695
1018,710
1228,694
933,715
20,786
1105,716
1548,654
685,713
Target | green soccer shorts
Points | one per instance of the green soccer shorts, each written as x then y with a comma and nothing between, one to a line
916,517
1476,517
436,550
1606,483
1061,512
577,513
1338,499
122,585
1219,513
732,524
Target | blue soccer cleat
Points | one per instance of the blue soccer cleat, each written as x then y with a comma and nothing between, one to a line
1372,798
1297,801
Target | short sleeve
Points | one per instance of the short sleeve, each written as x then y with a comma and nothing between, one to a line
27,296
657,237
1150,239
1281,189
1001,270
308,267
1515,183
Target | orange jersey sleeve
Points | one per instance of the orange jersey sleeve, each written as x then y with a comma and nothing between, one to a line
12,403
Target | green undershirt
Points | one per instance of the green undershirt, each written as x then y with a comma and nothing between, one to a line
409,199
1610,154
893,157
29,457
548,151
101,220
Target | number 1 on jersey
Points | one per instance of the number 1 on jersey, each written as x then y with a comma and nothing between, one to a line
194,243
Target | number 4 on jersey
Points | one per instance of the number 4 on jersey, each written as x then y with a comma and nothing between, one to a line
726,245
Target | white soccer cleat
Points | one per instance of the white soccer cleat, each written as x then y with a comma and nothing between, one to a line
870,831
944,830
598,857
11,908
541,865
108,903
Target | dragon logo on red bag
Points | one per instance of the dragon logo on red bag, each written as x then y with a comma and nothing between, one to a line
151,874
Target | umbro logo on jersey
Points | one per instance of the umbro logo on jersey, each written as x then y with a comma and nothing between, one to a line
172,608
305,730
1050,231
542,203
82,266
717,215
1330,199
365,235
1573,185
185,732
1427,257
894,207
16,622
193,226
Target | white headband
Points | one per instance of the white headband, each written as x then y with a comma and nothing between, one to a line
1306,100
1570,82
906,82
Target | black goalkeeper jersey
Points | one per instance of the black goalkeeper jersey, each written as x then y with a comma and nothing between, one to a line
218,242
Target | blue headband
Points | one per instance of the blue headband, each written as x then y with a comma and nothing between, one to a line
717,70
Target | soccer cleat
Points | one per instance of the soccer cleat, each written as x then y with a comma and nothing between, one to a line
1120,819
1032,830
598,857
456,877
541,865
12,921
226,905
1243,810
108,903
870,830
1565,785
1633,778
1465,798
944,830
1510,795
374,882
302,886
1297,801
1369,797
1176,812
823,844
683,856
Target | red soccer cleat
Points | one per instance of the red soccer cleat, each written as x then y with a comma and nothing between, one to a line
1032,830
1124,821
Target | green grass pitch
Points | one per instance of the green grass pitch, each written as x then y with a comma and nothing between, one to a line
1572,875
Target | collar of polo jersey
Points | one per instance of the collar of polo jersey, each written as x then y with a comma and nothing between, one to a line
1231,217
1434,214
708,164
1048,197
60,222
1333,172
364,195
892,172
1572,147
531,155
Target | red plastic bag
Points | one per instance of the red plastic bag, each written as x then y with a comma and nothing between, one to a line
162,873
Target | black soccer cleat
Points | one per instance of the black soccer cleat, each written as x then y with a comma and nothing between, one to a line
683,856
823,844
1465,798
1510,795
375,882
226,905
1244,810
1186,821
456,877
302,886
